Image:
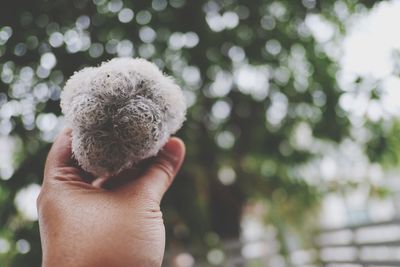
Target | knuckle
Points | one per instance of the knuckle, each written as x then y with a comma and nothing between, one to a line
166,168
65,174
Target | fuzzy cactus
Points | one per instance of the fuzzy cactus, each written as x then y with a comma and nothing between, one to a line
120,113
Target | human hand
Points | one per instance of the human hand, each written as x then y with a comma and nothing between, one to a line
83,224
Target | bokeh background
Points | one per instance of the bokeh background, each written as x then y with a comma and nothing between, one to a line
292,125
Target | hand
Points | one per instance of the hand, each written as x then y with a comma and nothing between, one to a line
82,224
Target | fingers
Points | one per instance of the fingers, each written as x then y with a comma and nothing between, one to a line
158,176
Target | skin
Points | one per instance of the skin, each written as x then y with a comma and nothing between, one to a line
85,221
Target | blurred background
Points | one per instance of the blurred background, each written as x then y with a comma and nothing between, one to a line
292,134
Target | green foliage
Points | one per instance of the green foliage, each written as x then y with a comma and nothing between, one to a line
252,74
388,144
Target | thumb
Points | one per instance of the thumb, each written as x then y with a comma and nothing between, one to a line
159,175
60,154
59,157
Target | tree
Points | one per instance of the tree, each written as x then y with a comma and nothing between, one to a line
254,76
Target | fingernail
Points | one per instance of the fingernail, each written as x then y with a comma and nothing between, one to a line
67,131
173,151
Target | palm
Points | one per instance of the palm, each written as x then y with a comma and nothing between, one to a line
118,226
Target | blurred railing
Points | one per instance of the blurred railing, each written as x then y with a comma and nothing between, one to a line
374,244
367,244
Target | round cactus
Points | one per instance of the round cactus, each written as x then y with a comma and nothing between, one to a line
120,113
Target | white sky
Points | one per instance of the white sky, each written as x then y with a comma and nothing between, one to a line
368,52
371,41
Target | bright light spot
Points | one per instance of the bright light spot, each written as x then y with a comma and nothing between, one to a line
184,260
48,60
125,48
8,145
273,47
111,46
46,122
319,98
41,92
115,5
7,74
321,29
341,10
26,73
253,80
96,50
20,49
374,111
125,15
77,41
252,228
5,129
268,22
277,9
177,40
23,246
143,17
391,95
254,250
191,75
191,39
222,84
147,34
4,246
177,3
215,22
278,109
216,256
5,34
300,67
236,53
159,5
146,50
190,98
71,38
328,168
225,140
25,201
230,19
221,110
226,175
56,39
282,75
3,98
302,137
9,109
83,22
